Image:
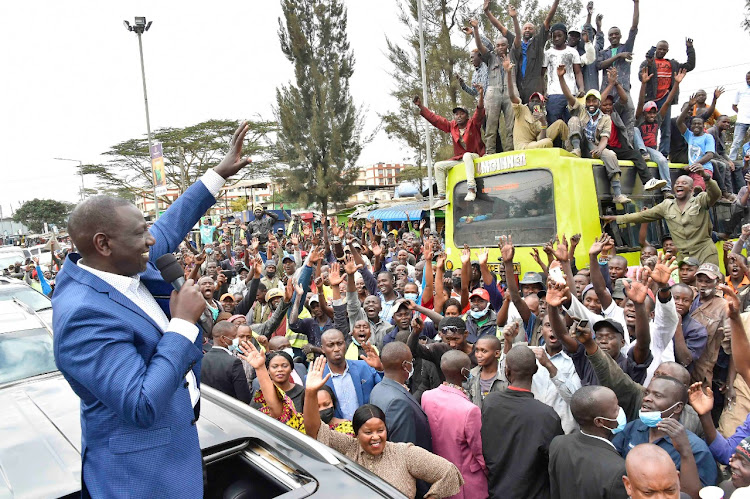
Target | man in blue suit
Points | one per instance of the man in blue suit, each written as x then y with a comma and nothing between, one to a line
351,380
135,370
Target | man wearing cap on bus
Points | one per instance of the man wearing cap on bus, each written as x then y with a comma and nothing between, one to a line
687,218
466,134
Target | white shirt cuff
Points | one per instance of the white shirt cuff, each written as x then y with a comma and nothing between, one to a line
184,328
213,181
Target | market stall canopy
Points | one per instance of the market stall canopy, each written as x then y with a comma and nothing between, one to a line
397,212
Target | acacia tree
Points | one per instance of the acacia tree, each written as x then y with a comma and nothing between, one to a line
127,173
320,130
33,214
446,55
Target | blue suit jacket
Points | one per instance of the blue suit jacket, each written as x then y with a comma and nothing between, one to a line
364,378
404,417
138,434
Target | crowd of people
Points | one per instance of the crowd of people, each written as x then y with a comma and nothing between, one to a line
545,81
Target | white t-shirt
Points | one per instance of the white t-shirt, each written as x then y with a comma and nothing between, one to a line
742,101
552,59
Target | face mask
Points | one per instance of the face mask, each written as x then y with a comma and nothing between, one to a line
594,113
411,371
652,418
354,340
411,296
622,420
326,415
289,351
234,346
270,274
478,314
209,251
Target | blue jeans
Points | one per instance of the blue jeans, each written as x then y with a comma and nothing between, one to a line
656,157
666,129
740,129
557,108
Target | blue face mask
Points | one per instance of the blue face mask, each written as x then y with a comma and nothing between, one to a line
209,251
235,346
622,420
478,314
411,296
652,418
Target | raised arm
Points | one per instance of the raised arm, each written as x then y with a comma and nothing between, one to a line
513,13
256,359
740,342
314,382
508,251
510,72
710,111
495,22
556,296
465,274
480,46
637,290
550,15
681,126
597,279
636,14
564,86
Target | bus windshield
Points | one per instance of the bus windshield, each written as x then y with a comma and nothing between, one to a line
520,204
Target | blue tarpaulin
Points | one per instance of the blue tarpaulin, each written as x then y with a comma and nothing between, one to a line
398,213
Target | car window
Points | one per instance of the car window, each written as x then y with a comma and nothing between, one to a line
24,354
30,297
7,259
520,204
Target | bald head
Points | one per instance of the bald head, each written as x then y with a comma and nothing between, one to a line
453,363
651,470
520,364
393,356
673,370
223,328
97,214
331,334
590,402
278,343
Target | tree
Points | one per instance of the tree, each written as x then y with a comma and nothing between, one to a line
413,174
320,130
128,171
446,54
239,204
746,21
33,214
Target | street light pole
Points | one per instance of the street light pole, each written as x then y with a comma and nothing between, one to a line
141,27
80,171
428,146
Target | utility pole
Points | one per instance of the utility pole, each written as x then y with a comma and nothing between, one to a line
181,152
141,27
428,146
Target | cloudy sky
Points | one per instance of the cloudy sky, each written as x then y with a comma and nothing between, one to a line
71,84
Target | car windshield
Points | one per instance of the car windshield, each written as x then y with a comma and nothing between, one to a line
32,298
10,258
519,204
24,354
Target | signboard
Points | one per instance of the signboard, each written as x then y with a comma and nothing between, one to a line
157,167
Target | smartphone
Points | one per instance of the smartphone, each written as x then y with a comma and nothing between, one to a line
228,274
537,109
583,323
556,274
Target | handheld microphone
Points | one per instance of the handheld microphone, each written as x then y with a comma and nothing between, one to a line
171,270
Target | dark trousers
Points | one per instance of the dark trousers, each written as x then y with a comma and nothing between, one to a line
627,154
557,108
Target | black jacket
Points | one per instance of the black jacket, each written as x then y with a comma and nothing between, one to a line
584,466
404,417
676,66
516,434
224,372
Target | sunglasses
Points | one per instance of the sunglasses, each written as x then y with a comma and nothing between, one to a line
449,329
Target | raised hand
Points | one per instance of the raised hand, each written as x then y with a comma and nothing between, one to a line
440,263
612,71
233,161
574,240
535,256
289,291
258,268
718,92
294,239
507,64
427,252
417,101
599,18
486,5
506,248
377,250
350,267
474,23
510,332
733,306
252,356
557,293
598,245
484,256
680,75
635,290
693,100
702,399
254,244
334,275
316,255
582,334
688,42
590,7
371,358
645,75
561,251
315,379
465,255
663,270
512,12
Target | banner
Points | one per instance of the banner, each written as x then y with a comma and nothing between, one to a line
157,166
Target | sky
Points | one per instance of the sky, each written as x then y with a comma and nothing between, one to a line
71,84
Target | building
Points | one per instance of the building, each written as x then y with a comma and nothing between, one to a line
380,175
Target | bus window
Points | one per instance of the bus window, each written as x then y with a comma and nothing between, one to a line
520,204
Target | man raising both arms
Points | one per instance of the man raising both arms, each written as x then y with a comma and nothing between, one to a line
466,134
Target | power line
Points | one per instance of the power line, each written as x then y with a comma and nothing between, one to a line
722,67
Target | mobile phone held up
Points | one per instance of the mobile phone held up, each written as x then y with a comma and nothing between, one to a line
557,275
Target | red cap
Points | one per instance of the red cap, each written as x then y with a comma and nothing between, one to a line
649,106
541,97
481,293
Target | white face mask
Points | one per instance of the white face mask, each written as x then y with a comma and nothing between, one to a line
289,351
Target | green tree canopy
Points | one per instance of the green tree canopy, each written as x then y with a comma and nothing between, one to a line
320,130
128,171
33,214
446,55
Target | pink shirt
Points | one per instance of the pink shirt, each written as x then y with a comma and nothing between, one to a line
456,425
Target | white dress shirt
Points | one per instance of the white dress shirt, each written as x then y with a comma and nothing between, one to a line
136,291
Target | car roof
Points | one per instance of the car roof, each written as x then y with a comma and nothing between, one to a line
11,249
16,316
